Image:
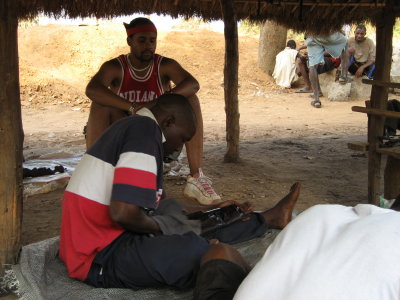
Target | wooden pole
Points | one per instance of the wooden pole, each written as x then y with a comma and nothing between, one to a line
379,96
392,178
231,69
11,137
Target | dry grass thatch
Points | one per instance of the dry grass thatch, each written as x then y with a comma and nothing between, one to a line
317,16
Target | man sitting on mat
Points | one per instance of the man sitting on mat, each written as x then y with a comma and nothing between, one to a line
118,228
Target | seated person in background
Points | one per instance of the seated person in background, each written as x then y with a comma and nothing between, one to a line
285,67
331,252
302,69
130,81
118,228
362,53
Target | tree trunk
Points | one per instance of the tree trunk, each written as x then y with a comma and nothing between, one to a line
272,41
11,137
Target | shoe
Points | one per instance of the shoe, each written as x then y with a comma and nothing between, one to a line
316,104
201,190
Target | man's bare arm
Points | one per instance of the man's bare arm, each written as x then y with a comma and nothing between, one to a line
98,88
132,218
185,83
361,69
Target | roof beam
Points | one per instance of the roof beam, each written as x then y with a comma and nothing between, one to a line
313,3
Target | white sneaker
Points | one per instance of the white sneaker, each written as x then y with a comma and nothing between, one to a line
201,190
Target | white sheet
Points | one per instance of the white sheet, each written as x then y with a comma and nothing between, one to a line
331,252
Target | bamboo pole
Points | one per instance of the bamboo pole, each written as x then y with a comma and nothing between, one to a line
379,96
11,137
231,69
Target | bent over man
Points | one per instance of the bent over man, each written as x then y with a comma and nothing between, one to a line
118,228
125,84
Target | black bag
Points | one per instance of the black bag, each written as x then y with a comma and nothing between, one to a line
217,218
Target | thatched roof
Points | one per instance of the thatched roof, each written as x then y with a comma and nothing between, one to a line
301,15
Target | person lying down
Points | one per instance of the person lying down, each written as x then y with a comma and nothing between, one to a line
331,252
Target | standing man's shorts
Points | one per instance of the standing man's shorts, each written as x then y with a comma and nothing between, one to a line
327,66
316,46
138,261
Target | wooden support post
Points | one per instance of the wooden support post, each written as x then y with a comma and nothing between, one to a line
231,69
392,178
11,137
379,95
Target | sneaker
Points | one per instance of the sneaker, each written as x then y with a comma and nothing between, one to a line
201,190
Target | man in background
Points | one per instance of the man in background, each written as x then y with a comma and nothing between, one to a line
362,53
285,66
336,46
129,82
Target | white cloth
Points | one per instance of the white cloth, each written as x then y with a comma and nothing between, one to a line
285,68
331,252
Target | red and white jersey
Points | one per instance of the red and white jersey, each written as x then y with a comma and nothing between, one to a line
140,89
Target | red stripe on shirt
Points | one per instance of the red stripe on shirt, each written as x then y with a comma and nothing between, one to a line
134,177
86,229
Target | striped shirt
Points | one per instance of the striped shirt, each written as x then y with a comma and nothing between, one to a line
125,164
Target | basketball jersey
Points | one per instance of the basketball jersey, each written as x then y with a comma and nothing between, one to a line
140,89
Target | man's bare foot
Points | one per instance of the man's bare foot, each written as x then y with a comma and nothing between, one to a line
281,214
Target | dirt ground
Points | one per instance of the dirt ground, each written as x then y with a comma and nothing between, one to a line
282,140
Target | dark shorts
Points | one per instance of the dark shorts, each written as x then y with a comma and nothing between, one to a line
327,66
218,280
354,65
240,231
138,261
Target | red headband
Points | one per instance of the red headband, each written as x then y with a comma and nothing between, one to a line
144,28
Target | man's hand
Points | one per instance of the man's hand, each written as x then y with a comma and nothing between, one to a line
360,71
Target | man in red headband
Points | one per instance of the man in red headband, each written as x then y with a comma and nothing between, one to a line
129,82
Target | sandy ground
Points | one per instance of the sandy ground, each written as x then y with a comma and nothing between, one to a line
283,138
